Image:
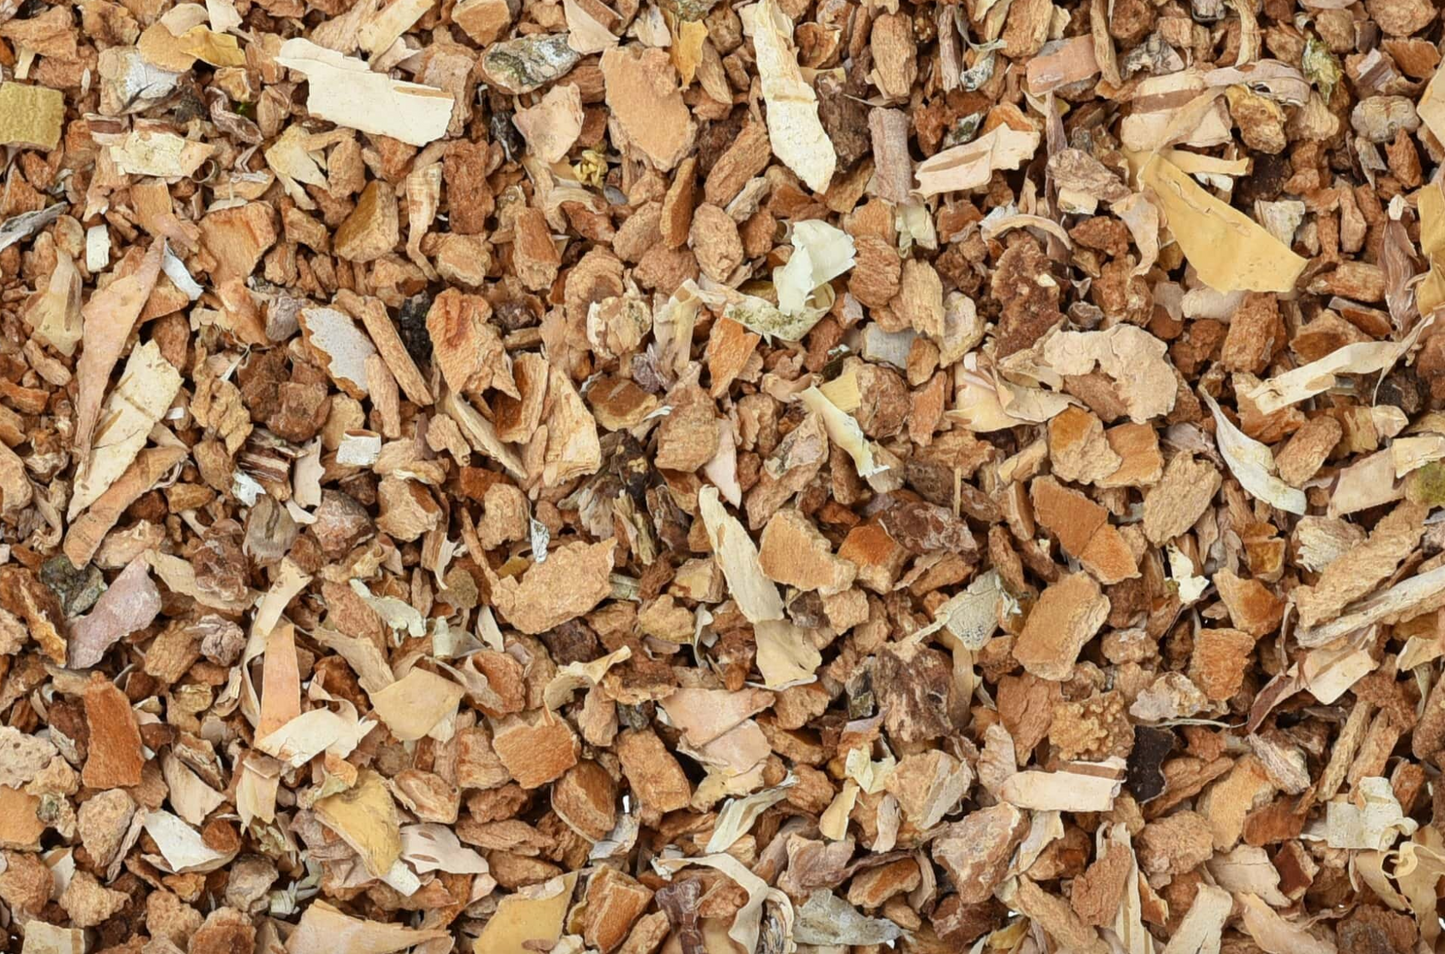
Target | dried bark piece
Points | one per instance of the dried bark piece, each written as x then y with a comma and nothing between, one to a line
574,579
646,104
688,437
914,681
324,928
20,822
1173,845
345,91
339,346
928,785
24,595
1255,330
794,130
895,55
1300,459
1360,569
653,774
794,553
43,938
1078,449
373,228
466,345
388,343
1068,63
171,918
146,389
675,215
534,254
1252,607
130,604
225,929
483,20
1067,616
102,822
573,449
714,240
1098,892
1093,729
893,173
529,62
970,166
614,902
729,348
1054,915
1137,446
109,317
871,889
88,902
1218,663
477,763
919,301
407,509
504,518
415,704
877,275
23,885
1184,492
536,749
1228,801
1133,358
116,755
1073,518
33,116
15,489
586,799
517,420
976,850
553,125
747,156
22,757
236,238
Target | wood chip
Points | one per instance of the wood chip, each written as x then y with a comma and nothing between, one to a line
1067,616
343,90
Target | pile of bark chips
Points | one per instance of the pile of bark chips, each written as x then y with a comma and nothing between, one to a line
692,477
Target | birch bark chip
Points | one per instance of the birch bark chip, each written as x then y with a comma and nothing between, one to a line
147,386
756,595
113,313
796,134
1253,464
1229,250
967,167
345,91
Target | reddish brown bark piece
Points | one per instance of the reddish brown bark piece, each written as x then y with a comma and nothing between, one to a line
116,753
1067,616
